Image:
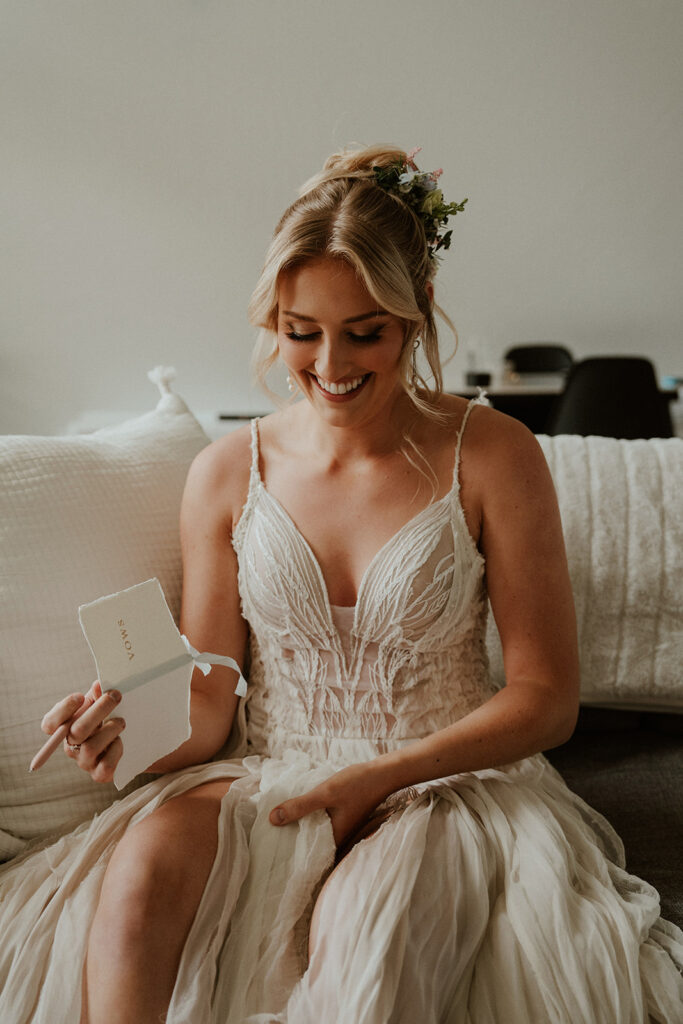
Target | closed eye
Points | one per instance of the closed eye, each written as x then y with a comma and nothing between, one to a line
360,339
366,338
301,337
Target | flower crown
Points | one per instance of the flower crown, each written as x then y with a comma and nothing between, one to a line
418,190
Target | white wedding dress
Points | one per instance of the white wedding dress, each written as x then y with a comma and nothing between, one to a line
490,897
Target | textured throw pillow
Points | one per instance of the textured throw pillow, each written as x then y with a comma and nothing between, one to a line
80,517
622,517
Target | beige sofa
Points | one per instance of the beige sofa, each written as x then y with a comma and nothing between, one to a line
84,516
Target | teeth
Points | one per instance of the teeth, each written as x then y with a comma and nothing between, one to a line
343,387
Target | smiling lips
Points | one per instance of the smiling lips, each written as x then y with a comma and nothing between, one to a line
343,387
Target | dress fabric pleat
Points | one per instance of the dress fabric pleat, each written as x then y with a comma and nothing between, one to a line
489,897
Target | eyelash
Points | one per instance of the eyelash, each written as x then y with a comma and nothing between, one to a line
359,338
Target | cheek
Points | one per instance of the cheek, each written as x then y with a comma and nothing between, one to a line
290,353
392,355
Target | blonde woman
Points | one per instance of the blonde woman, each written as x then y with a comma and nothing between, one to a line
385,842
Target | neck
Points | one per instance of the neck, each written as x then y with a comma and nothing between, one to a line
373,438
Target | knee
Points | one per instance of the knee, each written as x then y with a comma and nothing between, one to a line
158,871
142,885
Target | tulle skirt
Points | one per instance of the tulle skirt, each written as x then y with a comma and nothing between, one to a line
493,897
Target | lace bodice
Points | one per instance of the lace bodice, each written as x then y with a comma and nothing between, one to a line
407,659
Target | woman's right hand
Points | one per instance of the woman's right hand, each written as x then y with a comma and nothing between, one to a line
94,739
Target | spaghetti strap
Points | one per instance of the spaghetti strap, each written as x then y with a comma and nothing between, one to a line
254,483
479,399
254,474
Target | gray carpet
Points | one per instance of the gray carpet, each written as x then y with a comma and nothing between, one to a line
629,766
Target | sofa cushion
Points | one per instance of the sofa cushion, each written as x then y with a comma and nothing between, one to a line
80,517
622,517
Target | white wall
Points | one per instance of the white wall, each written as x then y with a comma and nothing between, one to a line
149,145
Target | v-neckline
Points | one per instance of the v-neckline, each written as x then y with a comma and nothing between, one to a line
375,558
453,492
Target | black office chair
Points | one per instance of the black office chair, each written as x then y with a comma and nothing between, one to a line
611,396
539,357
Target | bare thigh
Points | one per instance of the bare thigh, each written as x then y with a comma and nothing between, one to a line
150,893
190,816
165,860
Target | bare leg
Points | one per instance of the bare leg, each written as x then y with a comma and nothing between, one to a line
150,894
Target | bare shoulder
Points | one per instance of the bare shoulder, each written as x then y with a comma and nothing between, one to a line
497,444
490,439
501,463
502,469
218,481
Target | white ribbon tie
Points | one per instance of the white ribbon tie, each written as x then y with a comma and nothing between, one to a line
205,662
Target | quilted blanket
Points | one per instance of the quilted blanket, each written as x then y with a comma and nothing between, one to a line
621,504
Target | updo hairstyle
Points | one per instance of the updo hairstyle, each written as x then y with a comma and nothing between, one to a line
342,213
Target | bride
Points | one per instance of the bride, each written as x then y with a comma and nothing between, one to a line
385,842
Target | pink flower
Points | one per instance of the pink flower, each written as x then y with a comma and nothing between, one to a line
410,157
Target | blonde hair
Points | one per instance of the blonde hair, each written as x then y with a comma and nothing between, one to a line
342,213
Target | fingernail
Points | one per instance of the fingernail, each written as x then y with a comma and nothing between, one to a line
279,816
115,696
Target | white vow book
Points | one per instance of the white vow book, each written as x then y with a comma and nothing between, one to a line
139,651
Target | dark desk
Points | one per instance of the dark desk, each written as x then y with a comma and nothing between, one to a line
532,402
529,402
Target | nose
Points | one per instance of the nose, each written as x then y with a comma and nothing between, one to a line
331,359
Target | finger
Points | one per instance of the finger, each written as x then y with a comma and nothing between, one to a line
299,807
104,771
62,712
95,691
91,720
91,751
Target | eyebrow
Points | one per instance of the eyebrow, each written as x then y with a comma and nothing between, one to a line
349,320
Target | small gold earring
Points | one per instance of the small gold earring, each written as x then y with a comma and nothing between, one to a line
414,376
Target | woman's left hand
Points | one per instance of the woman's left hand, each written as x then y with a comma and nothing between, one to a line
349,797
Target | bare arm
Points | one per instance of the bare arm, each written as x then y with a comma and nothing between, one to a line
210,617
531,598
513,501
210,613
